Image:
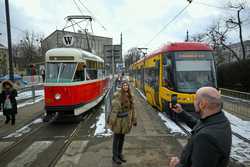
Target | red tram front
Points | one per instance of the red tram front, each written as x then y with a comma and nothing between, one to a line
75,81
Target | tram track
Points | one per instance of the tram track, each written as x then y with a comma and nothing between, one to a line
25,136
69,139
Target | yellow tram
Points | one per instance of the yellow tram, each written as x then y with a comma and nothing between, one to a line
175,70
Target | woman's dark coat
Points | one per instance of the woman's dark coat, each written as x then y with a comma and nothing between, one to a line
13,94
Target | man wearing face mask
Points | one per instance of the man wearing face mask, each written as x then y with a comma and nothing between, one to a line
211,139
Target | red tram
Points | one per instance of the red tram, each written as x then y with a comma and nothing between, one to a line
75,81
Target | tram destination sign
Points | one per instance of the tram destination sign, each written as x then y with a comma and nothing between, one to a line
112,50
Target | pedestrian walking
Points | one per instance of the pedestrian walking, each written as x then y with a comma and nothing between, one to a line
43,74
211,139
121,120
8,102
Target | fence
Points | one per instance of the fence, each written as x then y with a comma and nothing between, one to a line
236,94
236,102
31,88
108,101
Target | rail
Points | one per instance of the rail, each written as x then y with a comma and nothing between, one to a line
236,102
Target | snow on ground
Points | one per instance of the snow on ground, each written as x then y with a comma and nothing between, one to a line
240,150
29,102
100,125
25,129
174,129
238,125
28,94
144,97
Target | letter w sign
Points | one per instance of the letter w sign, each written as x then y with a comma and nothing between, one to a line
68,40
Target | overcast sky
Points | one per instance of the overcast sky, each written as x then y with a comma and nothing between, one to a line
138,20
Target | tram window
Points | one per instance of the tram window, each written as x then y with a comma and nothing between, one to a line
67,70
79,74
91,74
150,76
167,72
100,74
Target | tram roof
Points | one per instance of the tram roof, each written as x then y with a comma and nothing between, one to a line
179,46
78,54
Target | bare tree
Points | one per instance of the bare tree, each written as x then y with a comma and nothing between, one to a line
30,48
231,22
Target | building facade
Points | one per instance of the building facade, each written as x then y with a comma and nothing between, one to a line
3,60
228,55
88,42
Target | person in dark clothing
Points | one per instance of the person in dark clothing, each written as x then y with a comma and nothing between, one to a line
211,139
8,101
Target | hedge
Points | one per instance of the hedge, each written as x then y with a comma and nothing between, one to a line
235,75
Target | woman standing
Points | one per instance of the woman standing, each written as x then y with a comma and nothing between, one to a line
121,120
8,101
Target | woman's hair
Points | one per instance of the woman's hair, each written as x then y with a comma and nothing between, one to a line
7,83
126,95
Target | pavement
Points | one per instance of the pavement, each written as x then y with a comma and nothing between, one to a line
24,116
148,145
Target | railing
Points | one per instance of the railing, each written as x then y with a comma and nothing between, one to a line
108,101
235,94
31,88
236,102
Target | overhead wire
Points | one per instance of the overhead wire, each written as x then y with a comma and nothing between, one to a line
166,25
90,12
93,42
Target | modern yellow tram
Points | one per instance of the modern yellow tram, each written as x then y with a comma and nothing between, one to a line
174,71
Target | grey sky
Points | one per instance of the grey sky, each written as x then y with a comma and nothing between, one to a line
139,20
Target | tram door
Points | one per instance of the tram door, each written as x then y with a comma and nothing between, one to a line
142,80
157,81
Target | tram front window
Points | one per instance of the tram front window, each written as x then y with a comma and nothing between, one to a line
60,72
193,71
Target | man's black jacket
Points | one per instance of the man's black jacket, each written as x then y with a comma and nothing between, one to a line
210,143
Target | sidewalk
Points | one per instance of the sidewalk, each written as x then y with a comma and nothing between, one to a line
148,145
24,116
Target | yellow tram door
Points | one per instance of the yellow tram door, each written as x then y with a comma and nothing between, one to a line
157,82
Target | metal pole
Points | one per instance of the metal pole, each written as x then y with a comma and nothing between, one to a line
11,71
33,92
113,62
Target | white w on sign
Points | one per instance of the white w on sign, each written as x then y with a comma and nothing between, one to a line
68,40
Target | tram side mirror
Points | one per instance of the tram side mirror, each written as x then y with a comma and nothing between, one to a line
174,100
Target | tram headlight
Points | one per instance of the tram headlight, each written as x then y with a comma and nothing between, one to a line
57,96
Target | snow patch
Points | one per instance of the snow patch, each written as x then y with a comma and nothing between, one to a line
145,98
100,126
29,102
25,129
238,125
171,125
240,150
28,94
